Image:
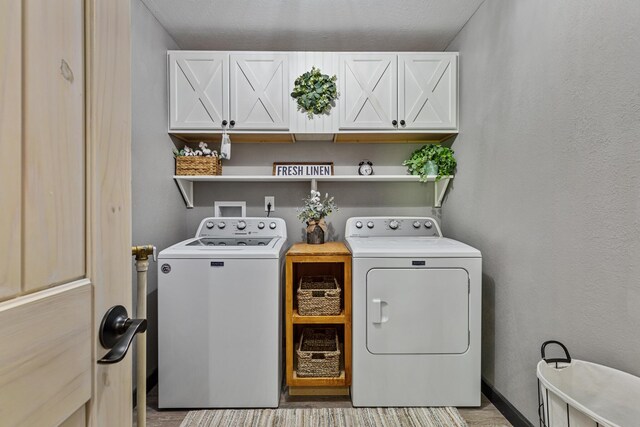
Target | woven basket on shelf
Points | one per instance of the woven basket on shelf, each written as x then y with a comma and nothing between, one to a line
198,165
318,296
318,353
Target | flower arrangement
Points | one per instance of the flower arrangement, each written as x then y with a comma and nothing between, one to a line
314,208
315,92
313,213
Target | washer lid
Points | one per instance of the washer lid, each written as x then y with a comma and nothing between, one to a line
232,248
409,247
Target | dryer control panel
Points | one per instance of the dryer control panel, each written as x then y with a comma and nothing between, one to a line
392,226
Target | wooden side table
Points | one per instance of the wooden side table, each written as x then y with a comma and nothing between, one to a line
334,259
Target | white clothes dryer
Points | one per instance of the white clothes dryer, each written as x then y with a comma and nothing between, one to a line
220,315
416,314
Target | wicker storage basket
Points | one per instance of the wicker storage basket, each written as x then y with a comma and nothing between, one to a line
318,296
198,165
318,353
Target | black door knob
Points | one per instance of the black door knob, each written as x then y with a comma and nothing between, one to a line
402,122
224,123
117,331
394,122
232,123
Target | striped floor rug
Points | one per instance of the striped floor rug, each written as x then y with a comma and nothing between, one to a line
326,417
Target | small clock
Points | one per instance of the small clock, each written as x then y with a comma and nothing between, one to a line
365,167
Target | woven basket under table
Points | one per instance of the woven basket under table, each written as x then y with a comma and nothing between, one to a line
318,353
318,296
198,165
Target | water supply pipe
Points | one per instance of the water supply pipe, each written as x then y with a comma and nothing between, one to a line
141,253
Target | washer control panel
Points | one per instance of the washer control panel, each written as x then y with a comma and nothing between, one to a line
392,226
229,227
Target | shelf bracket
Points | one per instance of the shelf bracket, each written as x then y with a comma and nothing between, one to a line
186,189
314,184
440,188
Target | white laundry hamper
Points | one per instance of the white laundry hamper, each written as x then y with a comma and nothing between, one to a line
575,393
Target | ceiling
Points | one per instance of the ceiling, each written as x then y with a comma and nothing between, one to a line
324,25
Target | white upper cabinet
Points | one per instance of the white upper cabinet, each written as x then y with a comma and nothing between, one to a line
404,95
368,90
427,91
259,91
198,90
407,91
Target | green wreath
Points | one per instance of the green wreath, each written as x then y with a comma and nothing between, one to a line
315,92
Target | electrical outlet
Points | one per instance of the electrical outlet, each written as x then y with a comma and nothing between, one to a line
267,200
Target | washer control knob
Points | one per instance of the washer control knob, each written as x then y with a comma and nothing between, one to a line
370,224
428,224
261,225
393,224
241,225
358,224
416,224
210,225
221,225
272,226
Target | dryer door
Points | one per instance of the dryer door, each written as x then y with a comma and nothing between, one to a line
417,311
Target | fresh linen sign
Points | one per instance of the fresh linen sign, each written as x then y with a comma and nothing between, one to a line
302,169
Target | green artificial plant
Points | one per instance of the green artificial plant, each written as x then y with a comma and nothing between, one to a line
441,156
315,92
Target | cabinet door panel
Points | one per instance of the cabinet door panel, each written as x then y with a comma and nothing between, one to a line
198,90
368,91
259,95
427,90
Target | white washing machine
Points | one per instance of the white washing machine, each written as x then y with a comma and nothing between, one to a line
416,314
219,315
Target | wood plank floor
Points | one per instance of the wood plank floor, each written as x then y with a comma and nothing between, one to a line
485,416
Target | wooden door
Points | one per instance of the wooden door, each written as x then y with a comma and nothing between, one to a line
368,91
259,91
428,90
65,223
198,90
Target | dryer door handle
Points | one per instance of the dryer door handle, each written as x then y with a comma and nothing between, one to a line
376,310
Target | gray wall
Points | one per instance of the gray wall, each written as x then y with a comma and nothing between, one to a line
158,215
549,182
352,198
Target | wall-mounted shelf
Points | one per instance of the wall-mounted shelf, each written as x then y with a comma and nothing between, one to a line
185,183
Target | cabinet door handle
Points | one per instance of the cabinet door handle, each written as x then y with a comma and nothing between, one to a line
402,122
232,123
394,122
224,123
